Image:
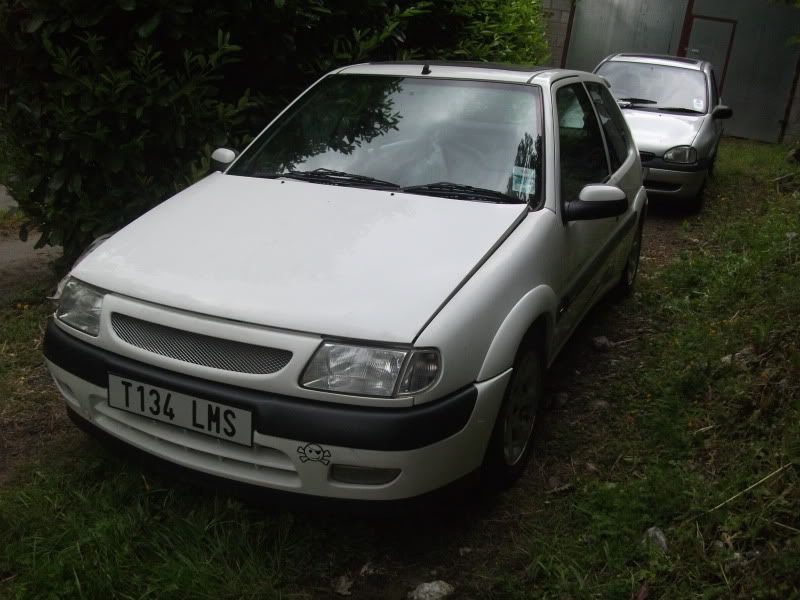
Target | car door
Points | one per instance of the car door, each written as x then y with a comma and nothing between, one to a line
582,161
626,174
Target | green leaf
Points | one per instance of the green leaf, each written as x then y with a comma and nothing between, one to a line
57,180
180,137
89,19
34,24
75,183
148,27
126,4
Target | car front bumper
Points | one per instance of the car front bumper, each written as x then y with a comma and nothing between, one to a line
674,179
429,446
680,184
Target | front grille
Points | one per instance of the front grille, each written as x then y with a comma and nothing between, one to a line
646,156
199,349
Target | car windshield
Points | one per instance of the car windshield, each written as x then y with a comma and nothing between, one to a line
452,138
656,87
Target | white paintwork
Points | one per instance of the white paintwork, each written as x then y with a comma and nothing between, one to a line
601,193
665,61
658,132
223,155
286,264
330,260
451,71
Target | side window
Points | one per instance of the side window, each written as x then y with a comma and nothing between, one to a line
613,124
714,90
582,153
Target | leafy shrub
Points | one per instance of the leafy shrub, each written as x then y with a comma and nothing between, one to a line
503,31
111,106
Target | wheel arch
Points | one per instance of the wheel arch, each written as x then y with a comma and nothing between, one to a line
533,317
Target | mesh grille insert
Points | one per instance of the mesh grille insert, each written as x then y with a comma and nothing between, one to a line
199,349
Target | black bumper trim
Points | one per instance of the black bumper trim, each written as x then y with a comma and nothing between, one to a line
366,428
659,163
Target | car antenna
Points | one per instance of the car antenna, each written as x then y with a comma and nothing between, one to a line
426,69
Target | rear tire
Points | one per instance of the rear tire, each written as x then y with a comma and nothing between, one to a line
511,445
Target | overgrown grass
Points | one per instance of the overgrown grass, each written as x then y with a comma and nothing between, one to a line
708,408
699,442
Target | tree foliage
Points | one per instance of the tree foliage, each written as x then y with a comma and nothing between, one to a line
111,106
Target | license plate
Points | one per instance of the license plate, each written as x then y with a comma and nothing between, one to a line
195,414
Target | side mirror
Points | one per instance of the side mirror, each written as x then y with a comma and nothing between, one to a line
596,202
221,158
722,112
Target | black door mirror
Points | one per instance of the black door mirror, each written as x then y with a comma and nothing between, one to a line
722,112
220,159
596,202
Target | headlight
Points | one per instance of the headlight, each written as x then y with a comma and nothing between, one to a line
80,307
371,370
681,154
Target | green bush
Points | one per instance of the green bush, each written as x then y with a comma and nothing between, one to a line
509,31
111,106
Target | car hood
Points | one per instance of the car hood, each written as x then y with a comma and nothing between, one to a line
330,260
658,132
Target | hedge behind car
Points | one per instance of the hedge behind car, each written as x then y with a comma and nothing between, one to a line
109,107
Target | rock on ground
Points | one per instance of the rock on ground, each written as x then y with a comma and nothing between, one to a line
433,590
654,536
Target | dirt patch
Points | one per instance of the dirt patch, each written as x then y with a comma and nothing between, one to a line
28,432
21,262
30,413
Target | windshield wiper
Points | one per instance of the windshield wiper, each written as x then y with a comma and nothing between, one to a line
462,192
332,177
637,100
681,109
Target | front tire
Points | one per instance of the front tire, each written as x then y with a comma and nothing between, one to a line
695,204
511,445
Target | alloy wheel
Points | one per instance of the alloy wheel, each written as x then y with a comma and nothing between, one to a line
520,410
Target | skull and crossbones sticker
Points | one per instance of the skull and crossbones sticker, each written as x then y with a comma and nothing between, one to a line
313,453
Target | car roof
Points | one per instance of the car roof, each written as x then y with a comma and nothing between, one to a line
463,70
659,59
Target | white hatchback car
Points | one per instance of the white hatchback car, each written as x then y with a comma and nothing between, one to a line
364,303
676,116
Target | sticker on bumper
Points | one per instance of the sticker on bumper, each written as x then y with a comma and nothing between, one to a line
313,453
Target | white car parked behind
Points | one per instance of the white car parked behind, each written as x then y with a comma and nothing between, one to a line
676,115
364,303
